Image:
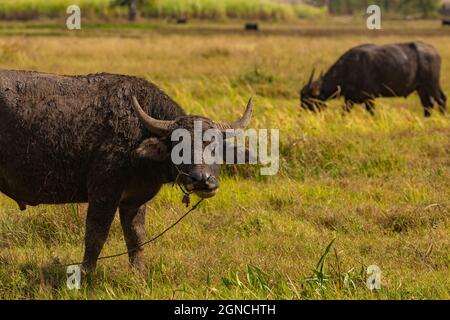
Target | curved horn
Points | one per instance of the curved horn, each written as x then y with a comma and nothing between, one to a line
240,124
155,126
311,78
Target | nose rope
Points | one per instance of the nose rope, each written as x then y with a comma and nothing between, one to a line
143,243
186,198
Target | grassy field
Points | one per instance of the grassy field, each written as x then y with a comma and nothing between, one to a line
200,9
379,186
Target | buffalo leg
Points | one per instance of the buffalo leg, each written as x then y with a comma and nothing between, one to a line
104,198
370,107
99,218
442,101
133,226
427,103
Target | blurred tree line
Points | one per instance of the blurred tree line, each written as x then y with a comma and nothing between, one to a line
420,8
132,7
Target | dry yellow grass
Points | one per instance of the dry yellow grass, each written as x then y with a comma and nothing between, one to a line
380,185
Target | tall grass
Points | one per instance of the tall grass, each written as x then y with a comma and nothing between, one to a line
253,9
201,9
33,9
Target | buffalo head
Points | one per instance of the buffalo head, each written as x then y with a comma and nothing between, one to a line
198,177
310,96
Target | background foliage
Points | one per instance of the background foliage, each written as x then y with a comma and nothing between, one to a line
213,9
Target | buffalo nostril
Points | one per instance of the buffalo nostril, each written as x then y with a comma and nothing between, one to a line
212,182
203,181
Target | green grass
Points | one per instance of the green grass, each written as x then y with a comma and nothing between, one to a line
380,187
200,9
33,9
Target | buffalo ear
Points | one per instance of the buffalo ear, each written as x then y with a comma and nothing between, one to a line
152,149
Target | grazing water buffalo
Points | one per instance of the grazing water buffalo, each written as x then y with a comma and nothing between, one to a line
370,71
72,139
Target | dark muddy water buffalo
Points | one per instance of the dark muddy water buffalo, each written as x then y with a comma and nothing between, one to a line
370,71
72,139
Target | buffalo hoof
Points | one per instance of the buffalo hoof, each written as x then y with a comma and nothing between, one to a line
137,262
87,269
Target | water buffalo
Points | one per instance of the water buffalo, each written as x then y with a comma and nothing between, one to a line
73,139
370,71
